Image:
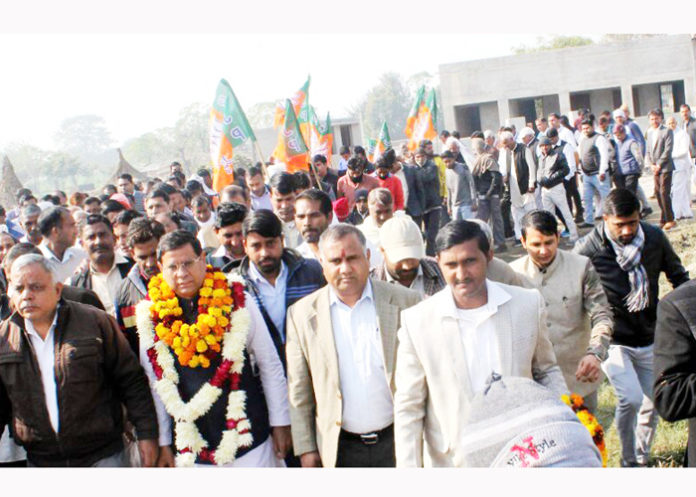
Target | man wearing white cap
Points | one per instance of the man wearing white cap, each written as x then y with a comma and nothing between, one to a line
405,262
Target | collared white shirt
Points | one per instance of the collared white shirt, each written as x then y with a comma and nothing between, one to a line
291,235
64,269
478,335
306,251
262,202
567,136
367,399
45,356
106,286
273,296
416,284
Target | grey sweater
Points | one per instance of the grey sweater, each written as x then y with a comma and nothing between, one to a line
460,186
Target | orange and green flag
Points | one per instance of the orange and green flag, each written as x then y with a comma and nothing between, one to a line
229,128
298,100
382,143
413,113
321,141
291,148
424,123
306,119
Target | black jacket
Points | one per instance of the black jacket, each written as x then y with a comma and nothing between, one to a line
552,169
634,329
430,178
416,197
675,361
522,168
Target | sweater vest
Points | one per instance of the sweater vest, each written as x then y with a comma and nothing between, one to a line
627,162
589,155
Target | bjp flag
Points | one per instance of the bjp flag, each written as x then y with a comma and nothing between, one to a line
291,148
229,128
321,142
298,100
382,144
424,123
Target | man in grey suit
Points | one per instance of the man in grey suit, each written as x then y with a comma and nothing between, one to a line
341,353
658,155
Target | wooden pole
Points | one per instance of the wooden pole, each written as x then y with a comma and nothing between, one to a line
263,160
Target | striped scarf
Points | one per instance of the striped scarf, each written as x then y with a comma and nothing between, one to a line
628,257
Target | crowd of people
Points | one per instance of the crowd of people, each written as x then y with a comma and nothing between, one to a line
356,316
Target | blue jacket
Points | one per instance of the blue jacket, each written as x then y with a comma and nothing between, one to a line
304,277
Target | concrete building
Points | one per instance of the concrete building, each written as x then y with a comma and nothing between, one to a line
644,74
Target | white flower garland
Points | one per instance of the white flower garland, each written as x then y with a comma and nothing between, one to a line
186,413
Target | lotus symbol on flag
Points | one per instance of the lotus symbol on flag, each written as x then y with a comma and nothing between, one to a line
292,143
227,164
287,133
237,133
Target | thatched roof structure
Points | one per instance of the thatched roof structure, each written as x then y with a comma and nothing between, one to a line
125,167
9,184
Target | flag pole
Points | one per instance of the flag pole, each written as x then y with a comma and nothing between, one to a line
262,161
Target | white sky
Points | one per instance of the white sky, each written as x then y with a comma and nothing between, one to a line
93,62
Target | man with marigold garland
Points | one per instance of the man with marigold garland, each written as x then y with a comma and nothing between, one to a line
211,363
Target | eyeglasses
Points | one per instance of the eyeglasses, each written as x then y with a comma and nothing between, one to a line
186,266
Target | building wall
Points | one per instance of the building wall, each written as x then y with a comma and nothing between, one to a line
489,115
557,73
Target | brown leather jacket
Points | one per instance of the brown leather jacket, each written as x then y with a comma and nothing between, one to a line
95,372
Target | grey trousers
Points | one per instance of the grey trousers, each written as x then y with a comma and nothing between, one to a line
489,211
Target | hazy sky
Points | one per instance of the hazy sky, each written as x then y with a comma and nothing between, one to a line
140,82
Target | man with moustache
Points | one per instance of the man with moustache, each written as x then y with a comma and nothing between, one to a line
276,276
59,231
228,228
142,238
106,268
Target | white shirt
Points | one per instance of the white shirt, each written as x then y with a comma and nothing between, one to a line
262,202
44,351
273,296
106,286
306,251
367,399
567,136
64,269
479,339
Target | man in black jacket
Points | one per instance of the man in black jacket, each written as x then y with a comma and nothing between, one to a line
629,256
553,168
675,361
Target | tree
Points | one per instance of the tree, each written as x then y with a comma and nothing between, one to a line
614,37
389,101
260,115
190,137
85,136
553,43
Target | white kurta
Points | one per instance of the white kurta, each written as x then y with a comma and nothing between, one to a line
681,178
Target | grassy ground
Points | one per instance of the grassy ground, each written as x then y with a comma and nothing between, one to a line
670,438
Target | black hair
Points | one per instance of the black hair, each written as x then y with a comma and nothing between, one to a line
345,149
229,213
127,177
315,195
51,218
51,198
447,155
110,188
657,112
109,206
142,230
354,163
551,133
477,134
444,133
553,114
176,179
91,200
173,217
203,172
358,150
301,180
254,171
456,134
283,183
22,192
2,211
621,202
200,200
241,172
175,163
18,250
159,193
542,221
263,222
126,217
167,188
96,219
319,158
193,186
177,239
456,232
586,122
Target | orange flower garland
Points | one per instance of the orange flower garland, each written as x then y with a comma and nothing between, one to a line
196,344
577,403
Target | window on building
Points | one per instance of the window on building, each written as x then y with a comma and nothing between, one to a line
346,135
667,98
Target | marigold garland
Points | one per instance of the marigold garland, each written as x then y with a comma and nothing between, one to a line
236,433
196,344
577,403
